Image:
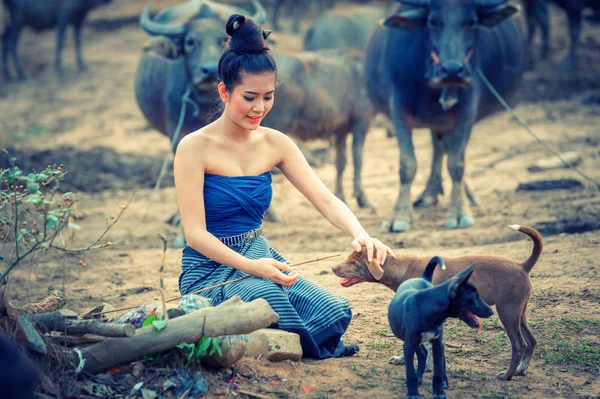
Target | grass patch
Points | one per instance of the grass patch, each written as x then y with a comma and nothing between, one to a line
381,345
567,345
583,352
33,131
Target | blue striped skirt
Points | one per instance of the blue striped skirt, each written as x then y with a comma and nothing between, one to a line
318,316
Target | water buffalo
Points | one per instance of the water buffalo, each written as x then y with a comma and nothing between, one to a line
321,96
536,12
297,9
344,27
188,41
42,15
422,70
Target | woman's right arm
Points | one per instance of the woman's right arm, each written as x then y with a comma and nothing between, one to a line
189,183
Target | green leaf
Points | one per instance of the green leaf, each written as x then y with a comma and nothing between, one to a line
149,320
203,348
68,194
216,347
33,187
74,226
51,221
186,346
41,177
159,324
33,198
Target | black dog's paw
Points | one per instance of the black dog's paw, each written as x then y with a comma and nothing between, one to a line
413,397
440,396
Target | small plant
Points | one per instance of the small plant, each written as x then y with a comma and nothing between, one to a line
34,215
196,351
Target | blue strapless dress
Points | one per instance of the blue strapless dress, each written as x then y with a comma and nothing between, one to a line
235,205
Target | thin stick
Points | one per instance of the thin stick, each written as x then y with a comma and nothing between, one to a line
161,274
214,286
254,395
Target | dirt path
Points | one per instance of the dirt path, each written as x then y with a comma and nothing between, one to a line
67,120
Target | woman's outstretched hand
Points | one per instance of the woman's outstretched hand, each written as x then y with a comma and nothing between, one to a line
271,269
373,245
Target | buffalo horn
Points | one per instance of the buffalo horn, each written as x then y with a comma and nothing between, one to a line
155,28
416,3
489,3
260,15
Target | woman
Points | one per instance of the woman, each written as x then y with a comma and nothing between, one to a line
224,188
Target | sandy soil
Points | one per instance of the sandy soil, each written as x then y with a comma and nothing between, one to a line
90,122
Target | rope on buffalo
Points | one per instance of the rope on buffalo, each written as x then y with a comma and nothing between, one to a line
528,129
185,99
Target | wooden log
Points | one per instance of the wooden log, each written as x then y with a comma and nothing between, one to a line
565,160
545,185
229,318
54,301
57,321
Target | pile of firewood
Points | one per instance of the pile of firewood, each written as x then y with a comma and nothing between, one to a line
93,345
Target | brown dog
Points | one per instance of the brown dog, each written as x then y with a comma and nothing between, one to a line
500,281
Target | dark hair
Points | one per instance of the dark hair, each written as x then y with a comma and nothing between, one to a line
247,52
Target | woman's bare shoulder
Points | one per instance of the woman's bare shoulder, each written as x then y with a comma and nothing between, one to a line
196,142
276,137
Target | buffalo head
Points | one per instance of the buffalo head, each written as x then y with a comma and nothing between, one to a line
452,27
196,32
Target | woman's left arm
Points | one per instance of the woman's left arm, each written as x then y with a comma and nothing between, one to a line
297,170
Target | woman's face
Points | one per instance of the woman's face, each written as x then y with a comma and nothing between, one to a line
250,101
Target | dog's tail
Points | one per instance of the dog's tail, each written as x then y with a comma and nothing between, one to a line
538,245
428,273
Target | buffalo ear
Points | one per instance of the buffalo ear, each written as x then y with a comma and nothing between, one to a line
495,15
459,281
410,18
163,46
375,269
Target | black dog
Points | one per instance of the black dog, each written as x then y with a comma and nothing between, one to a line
417,314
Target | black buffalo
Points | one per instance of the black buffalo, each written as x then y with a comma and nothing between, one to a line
536,12
188,41
42,15
422,71
347,27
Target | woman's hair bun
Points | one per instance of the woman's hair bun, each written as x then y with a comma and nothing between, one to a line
246,36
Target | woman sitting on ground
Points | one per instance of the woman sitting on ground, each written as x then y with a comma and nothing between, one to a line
223,182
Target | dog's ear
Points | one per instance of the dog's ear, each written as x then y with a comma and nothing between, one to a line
375,269
459,281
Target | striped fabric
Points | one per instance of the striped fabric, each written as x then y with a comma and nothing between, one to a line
307,309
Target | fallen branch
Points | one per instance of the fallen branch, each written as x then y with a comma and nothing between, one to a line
231,317
57,321
215,286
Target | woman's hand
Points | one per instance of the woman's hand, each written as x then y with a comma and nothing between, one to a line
271,269
372,245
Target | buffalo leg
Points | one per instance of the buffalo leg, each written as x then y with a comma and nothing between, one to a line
340,163
10,41
60,42
434,184
408,166
459,212
359,132
536,12
77,37
5,53
276,13
574,16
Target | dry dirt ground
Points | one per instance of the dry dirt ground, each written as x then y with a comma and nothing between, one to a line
90,122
